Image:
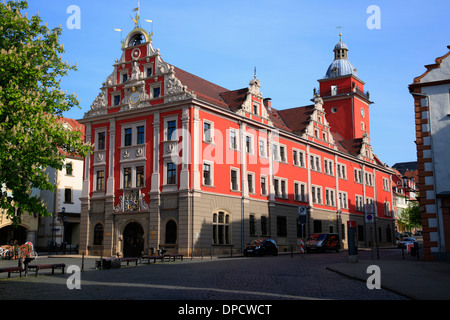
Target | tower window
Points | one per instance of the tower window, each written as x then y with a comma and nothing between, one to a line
334,88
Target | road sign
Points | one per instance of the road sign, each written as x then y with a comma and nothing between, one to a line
301,210
369,218
368,208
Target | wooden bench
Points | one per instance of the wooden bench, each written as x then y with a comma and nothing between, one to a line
174,256
38,267
128,260
12,269
148,258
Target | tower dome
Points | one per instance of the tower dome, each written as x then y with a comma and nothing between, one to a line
340,66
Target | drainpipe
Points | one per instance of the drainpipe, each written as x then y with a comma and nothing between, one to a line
438,216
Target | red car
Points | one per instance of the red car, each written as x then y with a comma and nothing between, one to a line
323,241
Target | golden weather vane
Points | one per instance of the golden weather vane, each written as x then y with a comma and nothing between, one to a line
340,33
137,16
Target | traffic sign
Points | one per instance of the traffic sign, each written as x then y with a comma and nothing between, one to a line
301,210
368,208
369,218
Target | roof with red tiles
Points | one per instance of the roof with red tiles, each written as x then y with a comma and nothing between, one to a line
292,120
297,118
203,89
235,98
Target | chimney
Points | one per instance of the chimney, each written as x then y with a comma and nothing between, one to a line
268,103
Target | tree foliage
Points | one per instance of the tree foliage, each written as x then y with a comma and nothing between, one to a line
410,217
31,101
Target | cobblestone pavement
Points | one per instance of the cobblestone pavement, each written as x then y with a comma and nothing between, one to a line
284,277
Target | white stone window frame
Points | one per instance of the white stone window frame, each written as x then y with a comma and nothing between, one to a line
387,209
330,197
358,175
236,132
211,173
94,184
280,193
251,149
300,158
385,184
343,199
133,126
71,195
359,202
211,130
368,176
258,108
316,192
253,190
133,167
342,171
277,153
166,126
152,87
266,193
113,94
72,167
97,131
238,180
317,160
264,143
122,72
299,196
149,66
328,165
165,168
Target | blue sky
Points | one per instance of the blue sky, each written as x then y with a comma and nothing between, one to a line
289,42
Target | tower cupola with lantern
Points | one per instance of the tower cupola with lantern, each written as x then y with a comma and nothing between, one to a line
345,102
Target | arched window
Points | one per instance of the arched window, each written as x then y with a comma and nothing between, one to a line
221,228
98,234
171,232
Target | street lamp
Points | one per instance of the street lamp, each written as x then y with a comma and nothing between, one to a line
64,219
338,215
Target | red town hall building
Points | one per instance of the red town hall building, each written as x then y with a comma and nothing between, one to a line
182,164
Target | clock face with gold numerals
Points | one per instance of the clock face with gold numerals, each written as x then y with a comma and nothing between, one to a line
135,97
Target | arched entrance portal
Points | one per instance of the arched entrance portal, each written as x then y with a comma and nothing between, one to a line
133,240
10,234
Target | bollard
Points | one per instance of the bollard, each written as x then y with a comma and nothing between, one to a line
82,262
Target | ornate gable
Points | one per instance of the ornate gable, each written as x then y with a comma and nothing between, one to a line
317,126
140,79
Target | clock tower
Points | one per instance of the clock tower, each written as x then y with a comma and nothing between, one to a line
345,102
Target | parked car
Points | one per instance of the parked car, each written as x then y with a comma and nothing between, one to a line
405,241
322,242
261,247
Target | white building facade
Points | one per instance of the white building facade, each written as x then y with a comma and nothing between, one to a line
431,93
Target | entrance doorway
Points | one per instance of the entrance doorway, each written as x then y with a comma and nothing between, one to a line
10,234
133,240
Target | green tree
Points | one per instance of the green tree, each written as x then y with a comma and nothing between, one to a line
31,101
410,217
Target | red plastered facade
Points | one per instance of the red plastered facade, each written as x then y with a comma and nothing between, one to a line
235,168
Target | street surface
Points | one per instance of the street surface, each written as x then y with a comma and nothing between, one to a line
300,277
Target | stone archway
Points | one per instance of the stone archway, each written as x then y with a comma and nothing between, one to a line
133,240
10,234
